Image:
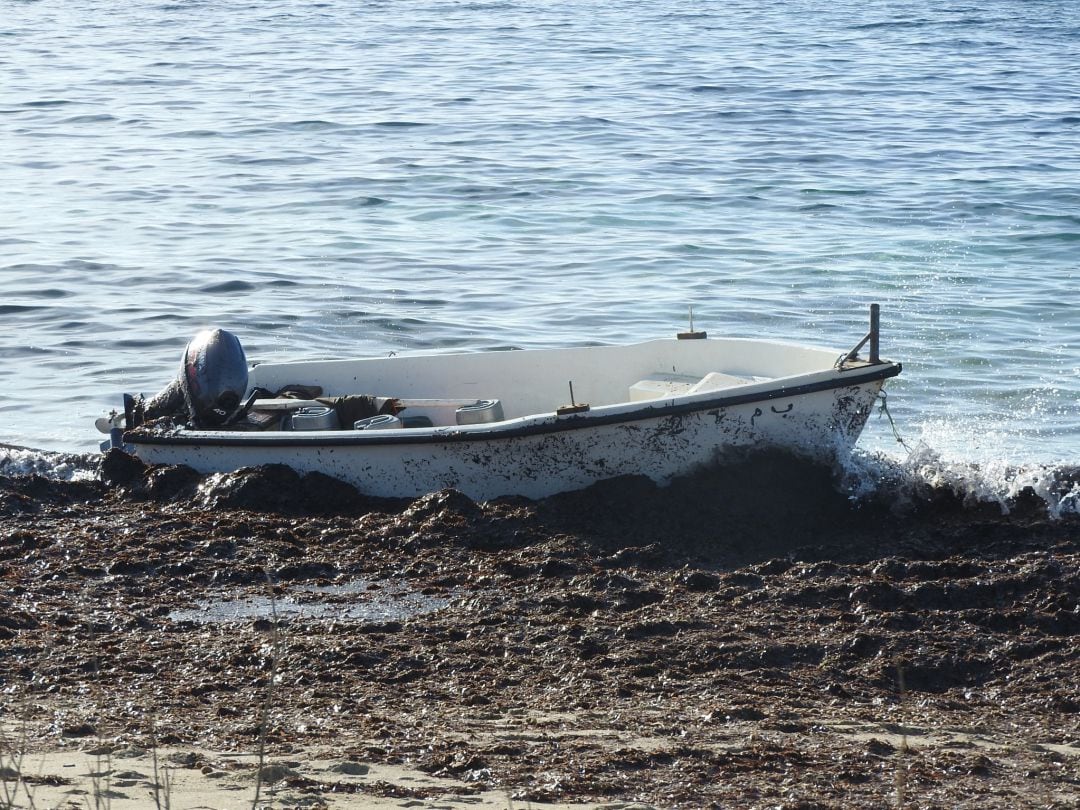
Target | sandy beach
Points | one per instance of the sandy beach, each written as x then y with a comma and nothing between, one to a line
623,647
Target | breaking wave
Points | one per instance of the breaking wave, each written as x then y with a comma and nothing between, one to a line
20,462
925,474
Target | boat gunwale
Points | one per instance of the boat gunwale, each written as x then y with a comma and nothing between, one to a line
673,406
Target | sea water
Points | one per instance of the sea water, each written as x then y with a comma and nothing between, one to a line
340,178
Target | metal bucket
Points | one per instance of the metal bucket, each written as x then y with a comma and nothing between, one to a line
383,421
314,417
480,412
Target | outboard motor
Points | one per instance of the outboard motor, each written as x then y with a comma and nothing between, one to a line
213,378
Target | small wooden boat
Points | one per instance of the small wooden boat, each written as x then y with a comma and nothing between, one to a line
530,423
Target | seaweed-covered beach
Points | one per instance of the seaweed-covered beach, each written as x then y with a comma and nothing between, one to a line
747,637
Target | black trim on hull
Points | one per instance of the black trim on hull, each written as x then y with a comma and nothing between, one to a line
577,422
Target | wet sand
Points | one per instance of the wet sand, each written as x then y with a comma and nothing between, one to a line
744,638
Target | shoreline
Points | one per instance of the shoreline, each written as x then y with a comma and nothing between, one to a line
624,646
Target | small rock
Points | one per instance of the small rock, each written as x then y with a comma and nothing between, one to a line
745,713
701,581
78,730
275,772
880,747
129,752
184,759
349,768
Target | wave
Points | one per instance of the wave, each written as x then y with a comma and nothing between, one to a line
22,462
926,475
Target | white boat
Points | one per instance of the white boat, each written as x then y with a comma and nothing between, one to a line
533,422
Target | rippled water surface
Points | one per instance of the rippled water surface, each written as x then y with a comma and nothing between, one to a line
340,178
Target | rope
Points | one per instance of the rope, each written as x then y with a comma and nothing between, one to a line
884,397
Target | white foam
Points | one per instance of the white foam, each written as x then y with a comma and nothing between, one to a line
25,461
905,480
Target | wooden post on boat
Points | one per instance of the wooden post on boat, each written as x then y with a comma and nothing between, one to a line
872,337
875,328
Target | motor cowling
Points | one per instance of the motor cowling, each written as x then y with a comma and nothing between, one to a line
213,377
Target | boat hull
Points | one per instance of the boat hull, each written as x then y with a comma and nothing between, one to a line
542,456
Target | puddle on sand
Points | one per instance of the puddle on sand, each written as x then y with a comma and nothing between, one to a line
360,600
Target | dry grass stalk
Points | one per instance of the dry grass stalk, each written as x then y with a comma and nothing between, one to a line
101,771
902,765
101,779
12,758
162,775
268,702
